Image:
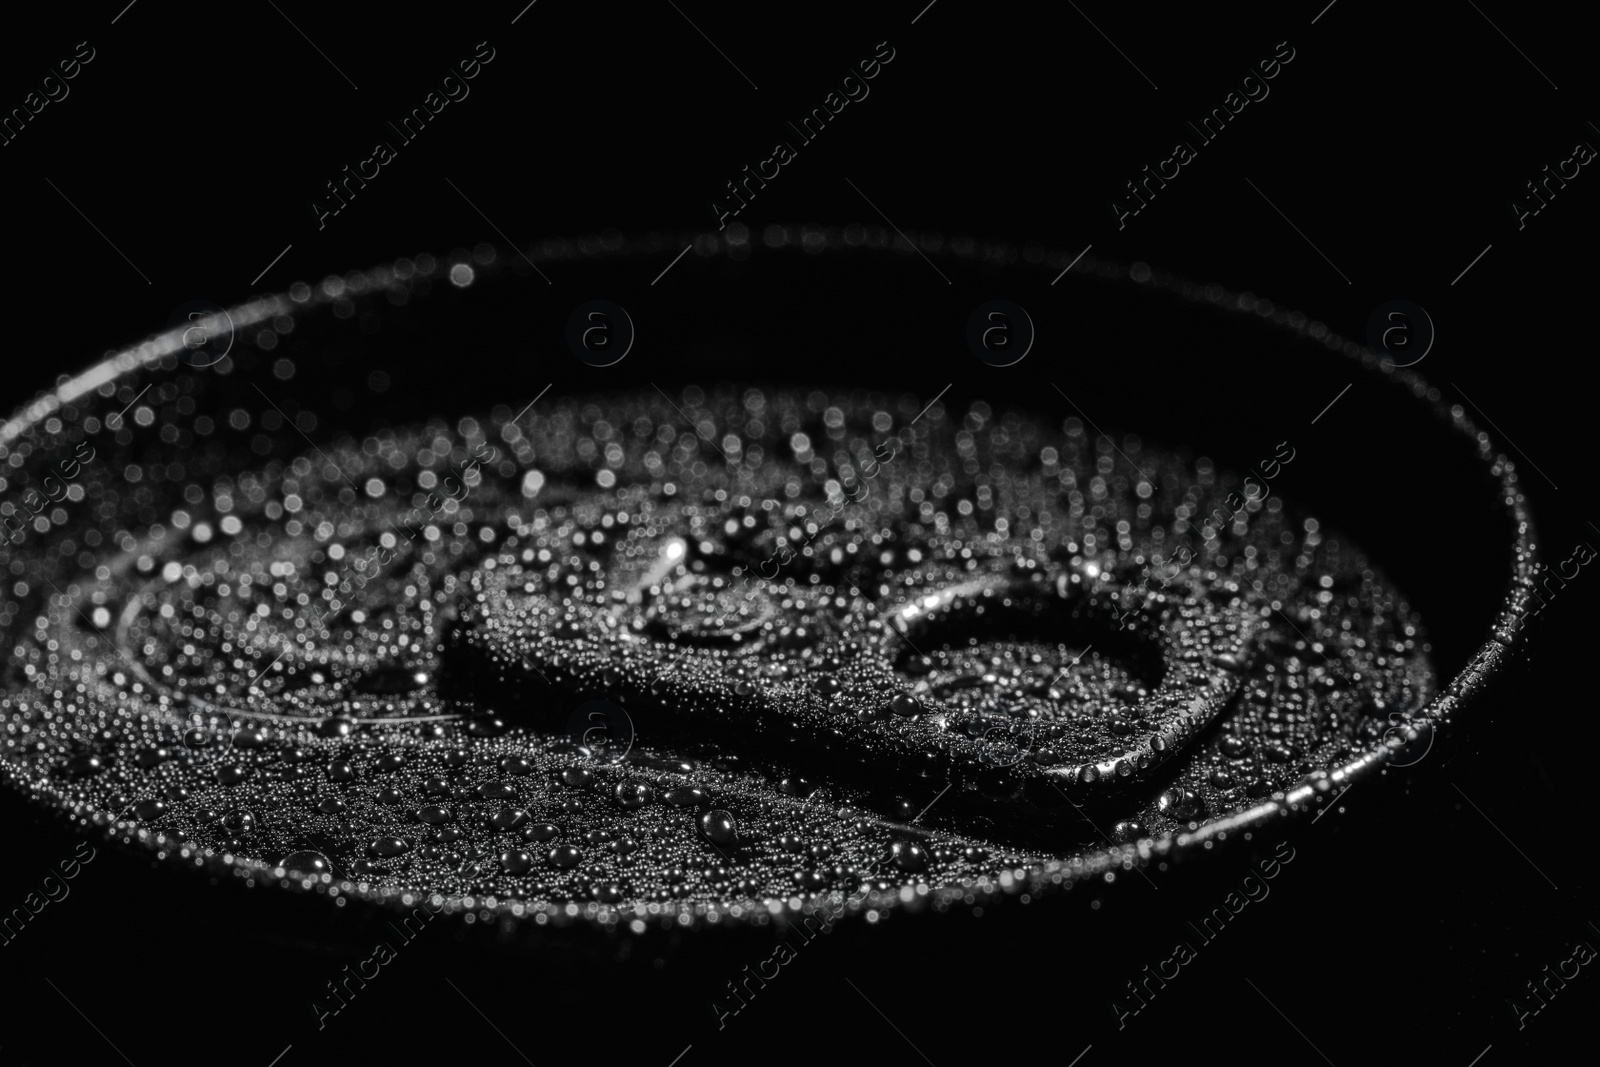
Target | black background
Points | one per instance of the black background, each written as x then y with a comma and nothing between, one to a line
196,139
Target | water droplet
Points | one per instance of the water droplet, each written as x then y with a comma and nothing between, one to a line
486,726
307,862
1179,803
385,847
151,757
684,796
337,726
231,774
905,705
631,795
1234,747
908,856
509,818
719,827
239,821
84,766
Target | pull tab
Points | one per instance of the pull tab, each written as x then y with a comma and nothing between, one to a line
932,689
1182,658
